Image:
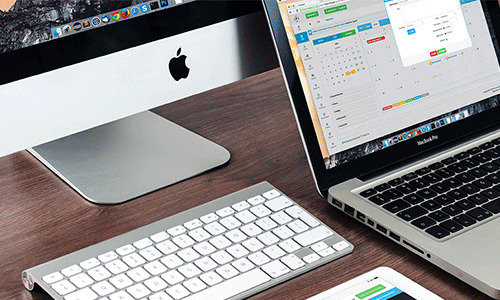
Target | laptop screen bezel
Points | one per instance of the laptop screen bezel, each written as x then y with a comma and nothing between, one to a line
326,178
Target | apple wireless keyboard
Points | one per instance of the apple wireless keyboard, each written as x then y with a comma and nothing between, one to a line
230,248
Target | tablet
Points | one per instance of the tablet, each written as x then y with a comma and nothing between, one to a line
380,284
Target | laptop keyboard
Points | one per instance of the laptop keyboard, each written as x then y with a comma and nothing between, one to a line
446,197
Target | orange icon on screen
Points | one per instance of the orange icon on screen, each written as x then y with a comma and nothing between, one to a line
347,73
353,72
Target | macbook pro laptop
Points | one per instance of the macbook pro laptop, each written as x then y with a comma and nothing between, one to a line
397,105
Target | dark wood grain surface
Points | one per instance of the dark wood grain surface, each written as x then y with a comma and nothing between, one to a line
41,218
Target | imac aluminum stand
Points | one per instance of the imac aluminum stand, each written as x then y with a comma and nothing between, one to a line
125,159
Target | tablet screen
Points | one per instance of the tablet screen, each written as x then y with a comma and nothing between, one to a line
375,288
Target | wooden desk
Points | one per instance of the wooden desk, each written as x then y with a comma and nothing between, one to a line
41,218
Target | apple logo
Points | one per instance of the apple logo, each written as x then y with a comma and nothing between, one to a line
177,66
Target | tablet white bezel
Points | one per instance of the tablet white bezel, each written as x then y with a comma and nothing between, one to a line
406,285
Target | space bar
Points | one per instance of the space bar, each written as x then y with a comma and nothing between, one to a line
233,286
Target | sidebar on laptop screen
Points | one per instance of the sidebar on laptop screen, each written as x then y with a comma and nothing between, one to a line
379,72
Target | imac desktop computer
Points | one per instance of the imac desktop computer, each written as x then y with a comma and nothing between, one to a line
77,79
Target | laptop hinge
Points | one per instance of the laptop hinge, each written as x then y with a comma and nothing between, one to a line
431,152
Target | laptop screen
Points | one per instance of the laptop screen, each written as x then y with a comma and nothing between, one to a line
377,73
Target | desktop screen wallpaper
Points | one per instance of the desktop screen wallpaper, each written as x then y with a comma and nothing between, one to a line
24,23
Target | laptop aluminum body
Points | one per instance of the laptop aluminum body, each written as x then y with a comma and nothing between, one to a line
321,46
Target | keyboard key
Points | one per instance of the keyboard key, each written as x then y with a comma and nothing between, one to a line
340,245
426,194
227,271
178,292
432,178
406,188
243,265
396,181
313,236
478,199
85,294
423,222
457,194
259,258
133,260
211,278
490,194
155,284
63,287
138,291
205,264
444,172
150,253
477,172
256,200
236,236
230,222
311,258
283,232
226,211
448,161
464,220
268,238
172,261
490,168
493,206
380,188
215,228
253,245
278,203
368,193
260,211
409,176
419,183
89,263
470,163
167,247
438,232
245,217
208,218
193,224
444,199
107,257
199,234
251,230
439,216
453,182
233,286
486,145
121,295
451,226
138,274
308,219
194,285
204,248
183,241
271,194
141,244
266,224
69,271
479,214
458,168
190,270
431,205
439,188
155,268
412,213
393,194
121,281
281,218
493,178
298,226
220,242
436,166
116,266
423,171
221,257
465,177
103,288
124,250
172,277
289,246
274,252
293,262
275,269
188,254
465,204
53,277
452,210
396,206
482,158
99,273
413,199
379,199
242,205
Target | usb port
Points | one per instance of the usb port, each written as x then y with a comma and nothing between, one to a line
394,236
349,210
337,203
360,217
381,229
370,222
